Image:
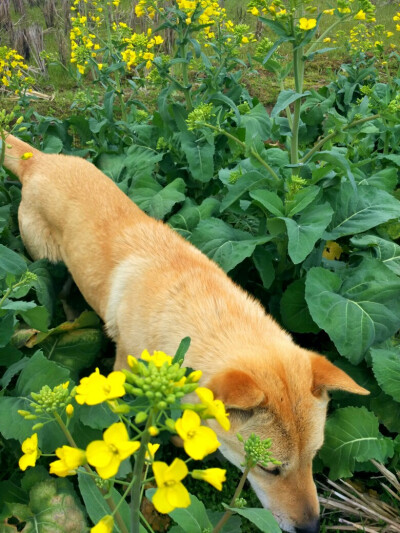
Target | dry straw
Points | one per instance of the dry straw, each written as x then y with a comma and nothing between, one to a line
363,511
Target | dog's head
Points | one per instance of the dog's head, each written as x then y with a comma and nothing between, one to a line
285,401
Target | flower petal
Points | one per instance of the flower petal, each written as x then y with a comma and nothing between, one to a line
110,470
160,501
178,496
98,453
116,433
177,470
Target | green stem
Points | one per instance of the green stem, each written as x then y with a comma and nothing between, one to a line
109,500
320,143
323,35
185,74
226,516
298,66
137,477
242,144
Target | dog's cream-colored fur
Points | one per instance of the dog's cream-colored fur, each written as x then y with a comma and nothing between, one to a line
152,288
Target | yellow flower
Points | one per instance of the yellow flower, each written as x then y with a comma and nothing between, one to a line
194,376
214,408
106,455
158,358
214,476
245,39
397,16
389,34
307,24
360,15
170,492
332,251
254,11
329,11
69,410
80,68
344,10
158,39
26,155
397,27
151,451
69,460
97,388
31,452
100,66
327,40
153,431
105,525
198,440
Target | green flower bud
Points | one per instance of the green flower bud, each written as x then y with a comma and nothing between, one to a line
37,426
141,417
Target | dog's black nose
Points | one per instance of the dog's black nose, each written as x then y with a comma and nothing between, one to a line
311,527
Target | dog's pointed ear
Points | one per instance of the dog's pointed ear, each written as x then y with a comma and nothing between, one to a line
237,390
330,377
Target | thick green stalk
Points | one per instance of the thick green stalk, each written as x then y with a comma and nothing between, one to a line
185,76
298,66
137,476
226,516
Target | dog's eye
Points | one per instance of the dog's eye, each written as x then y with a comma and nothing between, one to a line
273,471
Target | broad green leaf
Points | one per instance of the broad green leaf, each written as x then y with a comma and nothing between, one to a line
262,518
199,155
337,161
11,262
96,416
264,264
96,505
247,182
388,252
225,245
74,350
358,211
37,318
154,199
12,370
7,323
386,368
304,231
52,144
18,305
269,200
294,310
190,214
233,525
140,162
43,284
388,411
357,307
38,372
351,436
194,518
257,123
385,179
301,200
286,98
112,164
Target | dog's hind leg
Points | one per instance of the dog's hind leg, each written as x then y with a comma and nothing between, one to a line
36,234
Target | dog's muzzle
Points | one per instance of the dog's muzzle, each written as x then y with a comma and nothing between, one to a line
311,527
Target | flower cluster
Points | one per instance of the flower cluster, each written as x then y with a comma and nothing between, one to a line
257,451
161,384
84,44
13,71
139,49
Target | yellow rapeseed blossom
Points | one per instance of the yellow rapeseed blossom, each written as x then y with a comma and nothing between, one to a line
328,11
198,440
214,408
31,452
151,451
69,460
105,525
214,476
170,493
26,155
307,24
97,388
106,455
158,358
360,15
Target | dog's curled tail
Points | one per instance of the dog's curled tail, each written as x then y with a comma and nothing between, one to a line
19,156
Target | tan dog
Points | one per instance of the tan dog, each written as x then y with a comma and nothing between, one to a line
152,288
